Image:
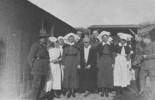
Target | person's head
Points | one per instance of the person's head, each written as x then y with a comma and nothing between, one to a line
43,36
71,39
60,40
105,38
42,39
79,33
147,39
124,37
123,41
86,41
95,33
52,42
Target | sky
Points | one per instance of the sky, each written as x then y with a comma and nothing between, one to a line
83,13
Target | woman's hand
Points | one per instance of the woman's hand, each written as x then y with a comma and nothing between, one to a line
54,61
88,67
78,66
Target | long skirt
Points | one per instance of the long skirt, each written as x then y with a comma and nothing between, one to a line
105,72
54,82
121,71
88,79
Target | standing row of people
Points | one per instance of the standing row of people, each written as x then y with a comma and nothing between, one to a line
70,64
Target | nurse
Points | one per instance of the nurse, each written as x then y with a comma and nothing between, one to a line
122,62
54,82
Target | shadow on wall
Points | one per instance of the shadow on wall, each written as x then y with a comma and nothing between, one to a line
2,54
2,59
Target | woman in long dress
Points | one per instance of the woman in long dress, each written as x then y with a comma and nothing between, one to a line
105,61
55,75
71,62
122,63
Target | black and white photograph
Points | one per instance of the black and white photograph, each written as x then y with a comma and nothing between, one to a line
77,49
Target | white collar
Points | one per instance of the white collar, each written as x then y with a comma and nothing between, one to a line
87,47
120,44
103,43
69,43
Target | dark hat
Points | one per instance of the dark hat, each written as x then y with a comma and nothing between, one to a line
43,33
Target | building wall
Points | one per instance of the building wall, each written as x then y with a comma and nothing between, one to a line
20,22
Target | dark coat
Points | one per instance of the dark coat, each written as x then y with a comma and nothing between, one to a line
119,48
88,78
38,59
70,60
94,41
105,59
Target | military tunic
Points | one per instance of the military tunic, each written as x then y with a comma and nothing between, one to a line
38,59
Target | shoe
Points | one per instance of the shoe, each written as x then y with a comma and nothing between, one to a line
73,95
87,94
56,95
102,94
69,95
106,94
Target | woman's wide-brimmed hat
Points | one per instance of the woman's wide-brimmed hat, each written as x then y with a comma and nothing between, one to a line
103,33
77,38
60,37
52,39
124,36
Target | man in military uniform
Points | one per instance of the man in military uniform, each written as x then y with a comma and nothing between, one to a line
38,59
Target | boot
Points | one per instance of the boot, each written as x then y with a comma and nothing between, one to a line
119,91
103,92
69,94
106,92
56,94
64,92
73,93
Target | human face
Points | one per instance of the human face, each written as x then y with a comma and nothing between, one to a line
105,38
79,33
43,40
86,43
95,34
123,41
61,41
71,39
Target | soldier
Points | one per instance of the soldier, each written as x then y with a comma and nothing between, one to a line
38,59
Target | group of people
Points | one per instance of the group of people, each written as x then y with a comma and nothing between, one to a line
85,64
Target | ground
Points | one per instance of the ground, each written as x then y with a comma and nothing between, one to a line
128,95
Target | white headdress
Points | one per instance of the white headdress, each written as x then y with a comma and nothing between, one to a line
102,34
124,36
52,39
60,37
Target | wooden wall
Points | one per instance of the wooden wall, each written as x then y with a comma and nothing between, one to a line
20,22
